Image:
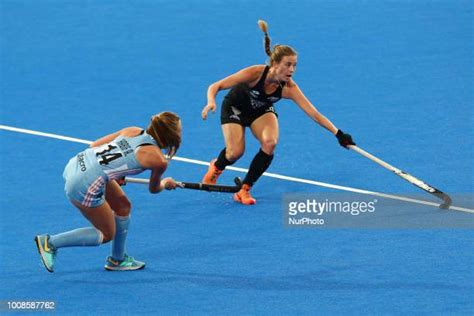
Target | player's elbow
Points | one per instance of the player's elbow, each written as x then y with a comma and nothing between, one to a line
154,190
155,187
215,87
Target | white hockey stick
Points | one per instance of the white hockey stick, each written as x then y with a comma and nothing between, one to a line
408,177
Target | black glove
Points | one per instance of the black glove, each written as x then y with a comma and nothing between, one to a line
344,139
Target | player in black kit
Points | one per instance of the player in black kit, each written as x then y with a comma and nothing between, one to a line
249,103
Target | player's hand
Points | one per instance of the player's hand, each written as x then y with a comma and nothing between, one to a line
209,107
121,181
344,139
169,183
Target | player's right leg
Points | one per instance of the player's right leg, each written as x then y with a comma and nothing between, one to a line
234,137
265,129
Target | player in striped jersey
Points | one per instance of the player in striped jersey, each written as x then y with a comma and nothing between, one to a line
91,184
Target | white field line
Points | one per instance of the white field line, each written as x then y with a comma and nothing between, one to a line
267,174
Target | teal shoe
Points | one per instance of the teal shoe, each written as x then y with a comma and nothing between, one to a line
46,251
127,264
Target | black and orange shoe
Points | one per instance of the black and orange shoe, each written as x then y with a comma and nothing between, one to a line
244,196
212,174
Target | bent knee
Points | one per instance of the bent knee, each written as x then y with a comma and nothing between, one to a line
269,145
108,235
233,153
122,206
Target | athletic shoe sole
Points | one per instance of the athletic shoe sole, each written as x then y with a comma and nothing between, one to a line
123,268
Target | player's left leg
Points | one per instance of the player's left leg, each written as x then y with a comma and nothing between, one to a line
103,230
118,201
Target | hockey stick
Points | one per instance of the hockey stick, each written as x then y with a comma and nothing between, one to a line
198,186
408,177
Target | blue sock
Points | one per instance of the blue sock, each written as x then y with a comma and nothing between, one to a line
88,236
121,230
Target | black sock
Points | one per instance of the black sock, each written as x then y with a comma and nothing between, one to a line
222,161
259,165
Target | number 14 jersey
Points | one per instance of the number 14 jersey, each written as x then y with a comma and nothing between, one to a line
117,158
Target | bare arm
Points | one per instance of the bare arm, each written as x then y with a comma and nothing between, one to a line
294,93
128,131
105,139
246,75
151,157
156,185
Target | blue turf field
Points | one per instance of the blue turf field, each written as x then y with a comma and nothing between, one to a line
397,75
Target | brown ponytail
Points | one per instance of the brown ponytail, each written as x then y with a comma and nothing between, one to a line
264,27
279,51
165,128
